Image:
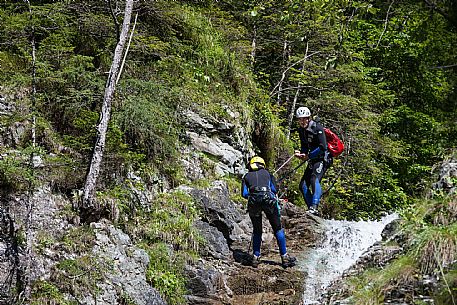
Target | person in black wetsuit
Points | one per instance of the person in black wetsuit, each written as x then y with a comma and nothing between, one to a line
259,187
313,147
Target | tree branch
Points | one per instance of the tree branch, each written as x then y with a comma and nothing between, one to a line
116,23
385,23
301,87
288,68
127,49
444,67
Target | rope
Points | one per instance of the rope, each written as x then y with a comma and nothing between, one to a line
291,172
288,160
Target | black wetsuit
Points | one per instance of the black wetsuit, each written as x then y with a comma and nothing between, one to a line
313,143
259,187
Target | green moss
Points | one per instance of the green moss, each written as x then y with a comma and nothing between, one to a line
47,293
44,241
81,275
79,239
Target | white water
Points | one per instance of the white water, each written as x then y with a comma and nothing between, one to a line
344,243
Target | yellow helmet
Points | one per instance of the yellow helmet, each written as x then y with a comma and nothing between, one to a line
255,161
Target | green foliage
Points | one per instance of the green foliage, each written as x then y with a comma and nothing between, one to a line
79,276
44,240
47,293
170,220
165,273
125,299
422,136
372,287
78,240
17,172
267,135
138,117
234,188
165,230
447,292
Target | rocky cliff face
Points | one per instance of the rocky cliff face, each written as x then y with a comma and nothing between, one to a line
46,252
99,266
223,275
226,143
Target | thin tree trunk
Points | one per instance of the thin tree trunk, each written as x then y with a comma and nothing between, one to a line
127,49
385,23
25,267
94,169
285,58
253,47
292,111
273,92
297,93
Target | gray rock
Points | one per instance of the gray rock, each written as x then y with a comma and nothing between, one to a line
128,268
446,178
216,244
217,211
202,281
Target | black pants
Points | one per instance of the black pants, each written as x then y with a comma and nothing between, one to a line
314,170
263,201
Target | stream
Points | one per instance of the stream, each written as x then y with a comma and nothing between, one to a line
343,244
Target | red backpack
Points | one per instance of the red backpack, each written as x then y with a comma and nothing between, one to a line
334,144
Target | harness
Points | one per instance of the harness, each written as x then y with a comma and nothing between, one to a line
257,189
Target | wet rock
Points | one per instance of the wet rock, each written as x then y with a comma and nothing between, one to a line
268,284
391,229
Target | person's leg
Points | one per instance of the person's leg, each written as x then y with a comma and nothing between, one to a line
304,186
255,213
318,170
271,210
272,213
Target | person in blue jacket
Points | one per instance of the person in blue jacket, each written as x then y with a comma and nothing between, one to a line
313,147
259,187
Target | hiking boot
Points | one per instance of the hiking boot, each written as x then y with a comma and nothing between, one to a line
255,261
313,210
287,260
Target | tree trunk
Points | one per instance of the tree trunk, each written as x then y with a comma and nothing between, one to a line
285,59
297,93
94,169
253,46
23,275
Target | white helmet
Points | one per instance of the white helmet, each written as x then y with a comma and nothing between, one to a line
303,112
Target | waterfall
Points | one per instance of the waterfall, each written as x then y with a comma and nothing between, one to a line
344,243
